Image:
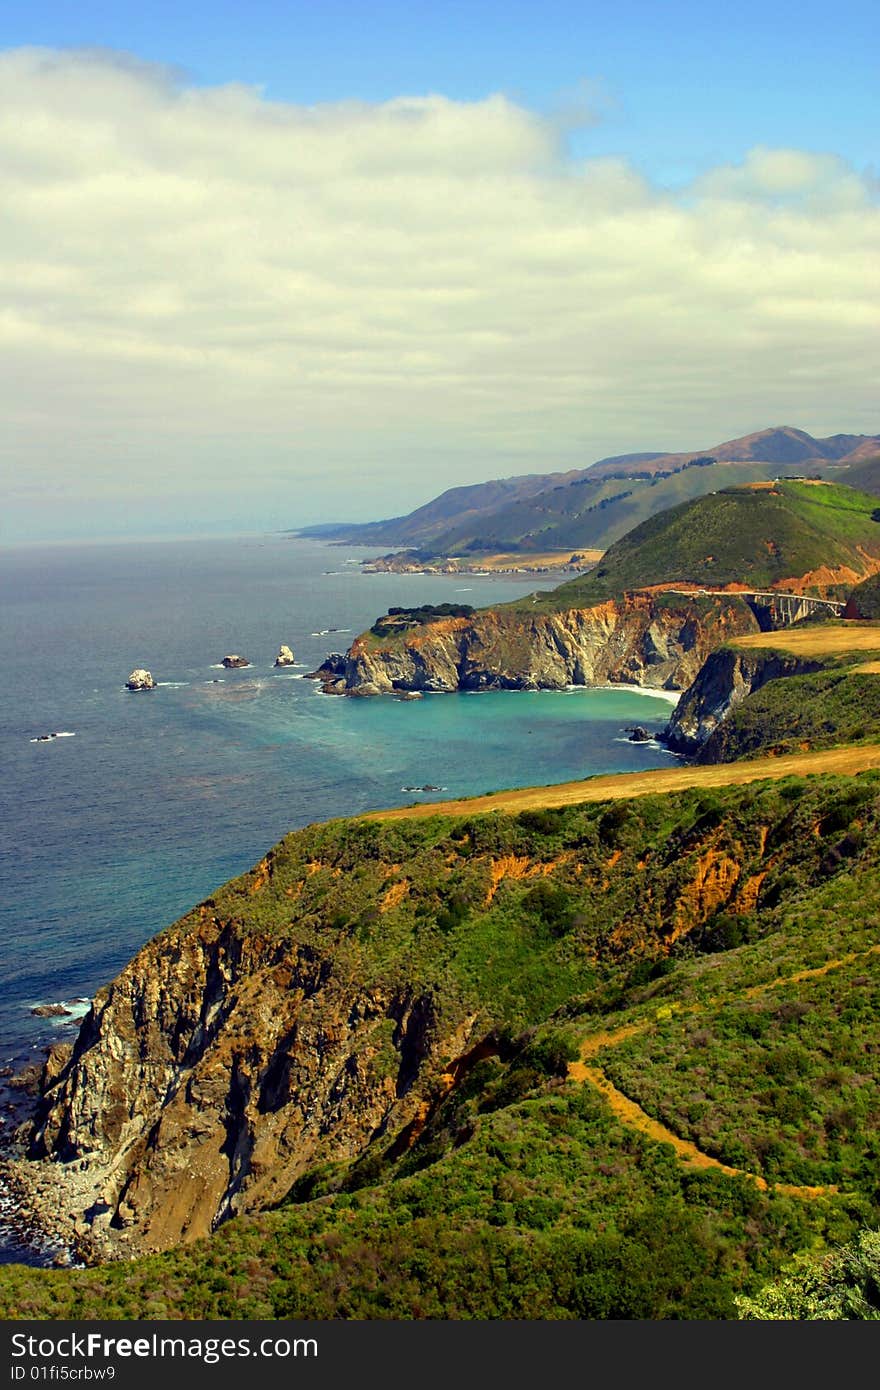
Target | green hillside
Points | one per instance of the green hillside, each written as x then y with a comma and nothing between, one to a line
712,960
753,536
798,712
864,601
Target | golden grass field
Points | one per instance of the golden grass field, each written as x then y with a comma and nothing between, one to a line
847,761
548,559
825,639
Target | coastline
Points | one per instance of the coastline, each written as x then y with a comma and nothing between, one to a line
671,697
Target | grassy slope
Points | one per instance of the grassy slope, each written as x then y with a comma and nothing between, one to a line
835,706
625,785
866,597
755,537
526,1196
814,711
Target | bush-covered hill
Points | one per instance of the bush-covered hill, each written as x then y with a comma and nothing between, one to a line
864,601
799,712
755,536
714,955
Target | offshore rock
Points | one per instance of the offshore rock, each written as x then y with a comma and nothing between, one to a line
140,680
725,680
234,662
643,638
284,657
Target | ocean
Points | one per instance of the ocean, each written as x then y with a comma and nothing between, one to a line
146,802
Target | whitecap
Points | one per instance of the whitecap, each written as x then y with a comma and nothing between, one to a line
671,697
75,1009
173,685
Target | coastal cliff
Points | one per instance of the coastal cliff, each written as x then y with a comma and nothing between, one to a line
656,640
226,1059
723,683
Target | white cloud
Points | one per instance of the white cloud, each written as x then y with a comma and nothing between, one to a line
209,291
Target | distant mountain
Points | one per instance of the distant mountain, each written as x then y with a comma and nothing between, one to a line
457,506
593,507
861,469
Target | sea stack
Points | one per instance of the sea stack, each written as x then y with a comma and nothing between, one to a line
234,661
285,656
140,680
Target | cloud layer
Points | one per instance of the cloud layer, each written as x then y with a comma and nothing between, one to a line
313,311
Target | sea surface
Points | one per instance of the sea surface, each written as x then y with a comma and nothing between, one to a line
148,801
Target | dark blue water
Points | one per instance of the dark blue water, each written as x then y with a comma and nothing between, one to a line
159,797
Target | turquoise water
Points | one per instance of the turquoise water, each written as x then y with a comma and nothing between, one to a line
159,797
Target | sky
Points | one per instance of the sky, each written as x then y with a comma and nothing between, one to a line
299,262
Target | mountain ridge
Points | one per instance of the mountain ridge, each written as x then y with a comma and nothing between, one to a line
591,507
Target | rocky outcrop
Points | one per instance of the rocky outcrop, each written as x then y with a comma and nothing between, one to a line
285,656
725,680
643,638
233,662
140,680
218,1067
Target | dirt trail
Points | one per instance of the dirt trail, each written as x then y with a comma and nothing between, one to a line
633,1115
846,761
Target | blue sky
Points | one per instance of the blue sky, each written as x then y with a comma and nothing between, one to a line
681,85
381,248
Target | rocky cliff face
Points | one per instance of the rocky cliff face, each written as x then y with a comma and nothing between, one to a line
219,1066
725,680
642,638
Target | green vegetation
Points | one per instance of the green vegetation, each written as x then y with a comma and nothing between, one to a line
400,619
784,1084
817,711
844,1284
865,598
740,535
525,1195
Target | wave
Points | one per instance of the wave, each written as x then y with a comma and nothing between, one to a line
173,685
652,743
74,1009
671,697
